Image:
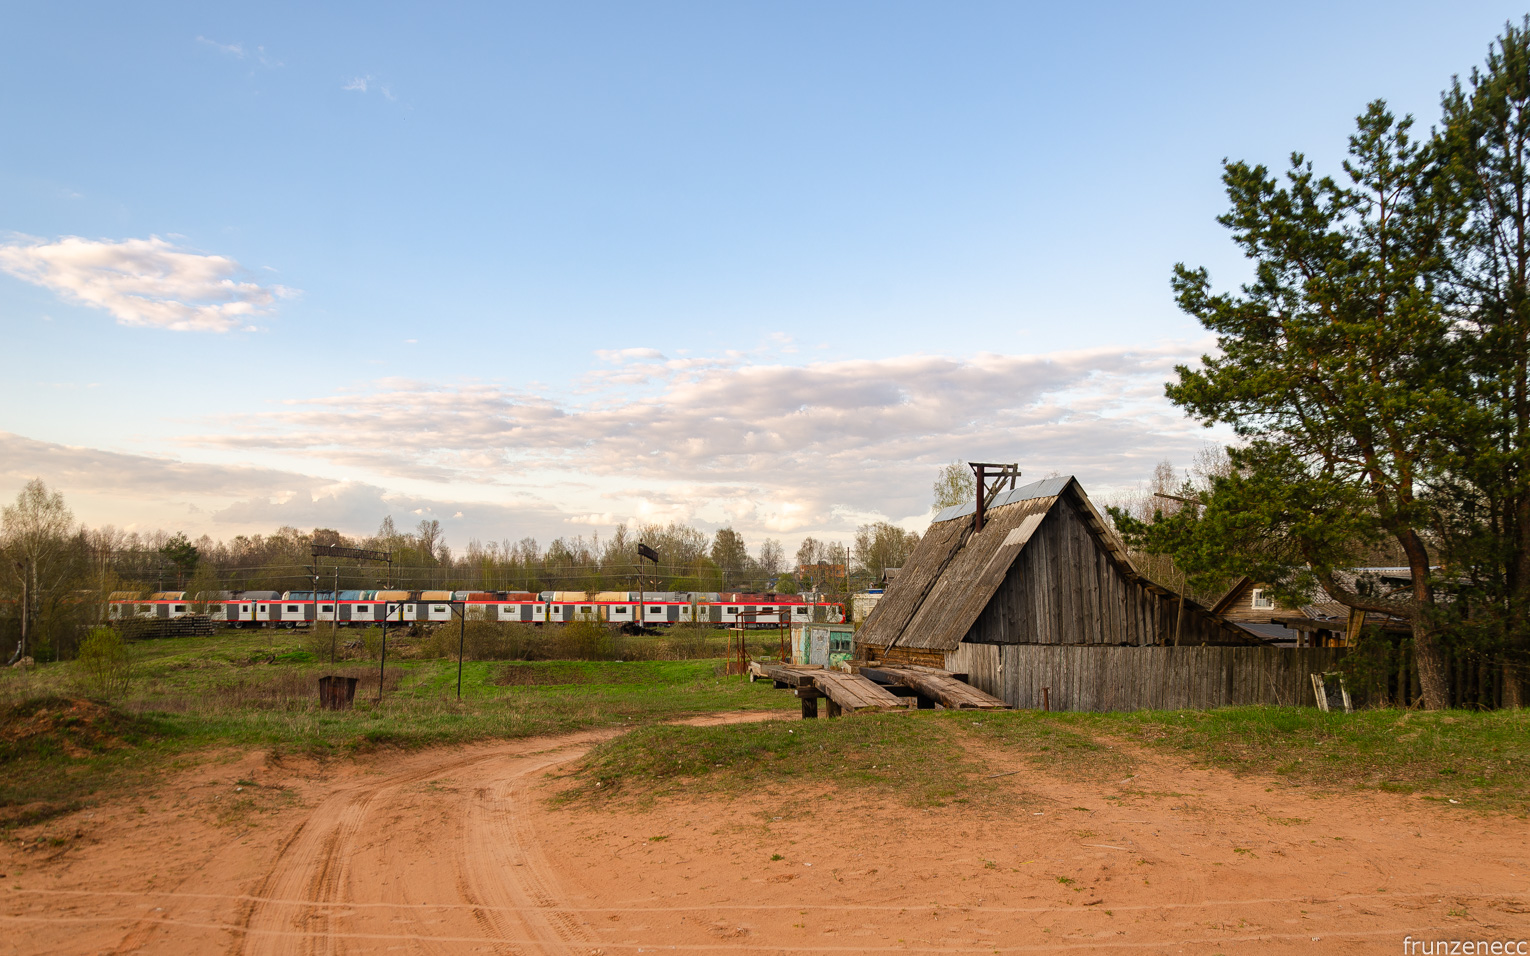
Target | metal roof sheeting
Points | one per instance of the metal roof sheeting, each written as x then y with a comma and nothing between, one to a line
1045,488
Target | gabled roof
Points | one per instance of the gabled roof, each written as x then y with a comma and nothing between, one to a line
953,573
1225,601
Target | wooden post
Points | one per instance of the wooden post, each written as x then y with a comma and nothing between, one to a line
1046,698
833,708
809,708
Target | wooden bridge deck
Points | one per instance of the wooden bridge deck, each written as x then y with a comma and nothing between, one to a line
873,689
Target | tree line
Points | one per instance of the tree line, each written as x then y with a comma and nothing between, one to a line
56,576
1376,370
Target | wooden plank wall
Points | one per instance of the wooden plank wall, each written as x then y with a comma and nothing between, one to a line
1066,589
1107,678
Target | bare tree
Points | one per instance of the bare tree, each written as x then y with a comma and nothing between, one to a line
772,557
36,534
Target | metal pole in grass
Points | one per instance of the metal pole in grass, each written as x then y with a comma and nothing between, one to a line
461,643
383,663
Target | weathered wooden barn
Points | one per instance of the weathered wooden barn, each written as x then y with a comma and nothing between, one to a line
1043,604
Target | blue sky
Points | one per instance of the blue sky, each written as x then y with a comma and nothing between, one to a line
535,269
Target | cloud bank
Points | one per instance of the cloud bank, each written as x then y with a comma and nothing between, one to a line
145,492
775,447
144,282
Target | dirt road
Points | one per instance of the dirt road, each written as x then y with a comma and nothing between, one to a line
455,851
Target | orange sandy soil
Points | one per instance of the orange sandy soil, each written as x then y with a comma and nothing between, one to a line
459,851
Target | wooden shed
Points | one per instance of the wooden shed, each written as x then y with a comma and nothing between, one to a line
1045,604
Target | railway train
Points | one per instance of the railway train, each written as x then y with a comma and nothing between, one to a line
655,608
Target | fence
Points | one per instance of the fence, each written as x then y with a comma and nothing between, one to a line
1105,678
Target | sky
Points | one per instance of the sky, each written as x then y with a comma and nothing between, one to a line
537,269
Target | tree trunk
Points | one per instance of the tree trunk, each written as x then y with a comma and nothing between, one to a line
26,619
1429,661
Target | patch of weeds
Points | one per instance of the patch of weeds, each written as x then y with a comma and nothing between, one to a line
914,756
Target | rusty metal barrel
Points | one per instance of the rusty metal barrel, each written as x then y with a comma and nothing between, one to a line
337,693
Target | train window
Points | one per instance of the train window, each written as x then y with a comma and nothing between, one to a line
179,608
293,608
215,609
326,607
732,610
145,608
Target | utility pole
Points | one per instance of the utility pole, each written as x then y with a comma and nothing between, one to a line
334,624
461,646
644,551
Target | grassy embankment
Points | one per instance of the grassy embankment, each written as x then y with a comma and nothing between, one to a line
247,690
256,689
1478,760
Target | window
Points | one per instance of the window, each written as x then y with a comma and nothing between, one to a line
214,609
1262,600
293,608
438,608
179,608
326,608
264,608
732,610
145,609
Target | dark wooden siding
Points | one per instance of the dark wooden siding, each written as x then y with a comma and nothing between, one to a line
1114,678
1068,589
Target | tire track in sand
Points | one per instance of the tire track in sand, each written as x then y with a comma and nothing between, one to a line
319,866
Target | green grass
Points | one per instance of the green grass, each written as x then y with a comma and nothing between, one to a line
916,758
1477,758
239,691
258,690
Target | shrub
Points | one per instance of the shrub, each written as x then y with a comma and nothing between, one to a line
104,666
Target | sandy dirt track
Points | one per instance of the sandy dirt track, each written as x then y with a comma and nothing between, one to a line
456,851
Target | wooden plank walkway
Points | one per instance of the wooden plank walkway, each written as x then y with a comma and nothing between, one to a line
852,693
873,689
939,686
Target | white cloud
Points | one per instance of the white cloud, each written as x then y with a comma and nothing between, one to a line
143,282
238,52
772,447
365,84
232,49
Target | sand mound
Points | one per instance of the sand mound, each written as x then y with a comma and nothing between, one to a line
73,726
